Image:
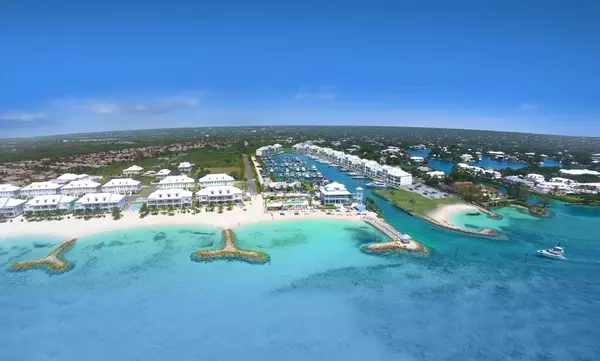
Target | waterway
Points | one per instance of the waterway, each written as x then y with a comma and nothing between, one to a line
485,162
136,294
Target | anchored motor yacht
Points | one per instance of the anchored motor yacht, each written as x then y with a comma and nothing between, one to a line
557,252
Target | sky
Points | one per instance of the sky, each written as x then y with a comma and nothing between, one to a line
82,66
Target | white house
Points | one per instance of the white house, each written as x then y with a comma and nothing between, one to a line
9,191
490,173
133,170
335,193
162,174
79,188
56,202
214,180
40,189
219,195
122,186
466,158
185,167
170,198
417,159
535,177
176,182
100,201
70,177
579,172
436,174
11,207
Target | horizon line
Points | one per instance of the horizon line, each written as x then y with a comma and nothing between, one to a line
291,126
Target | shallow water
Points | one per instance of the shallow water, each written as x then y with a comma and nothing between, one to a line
136,295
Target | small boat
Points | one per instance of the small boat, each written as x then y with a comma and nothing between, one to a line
557,252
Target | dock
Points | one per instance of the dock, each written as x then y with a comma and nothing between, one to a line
230,252
395,244
52,263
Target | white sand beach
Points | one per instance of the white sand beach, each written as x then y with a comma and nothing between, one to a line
77,228
442,216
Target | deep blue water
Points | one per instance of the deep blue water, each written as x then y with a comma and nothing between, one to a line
485,162
135,295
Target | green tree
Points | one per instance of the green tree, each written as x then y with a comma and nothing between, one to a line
116,213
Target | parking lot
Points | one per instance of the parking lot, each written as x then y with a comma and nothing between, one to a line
426,191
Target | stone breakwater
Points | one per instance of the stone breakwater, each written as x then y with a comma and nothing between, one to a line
230,252
52,263
394,245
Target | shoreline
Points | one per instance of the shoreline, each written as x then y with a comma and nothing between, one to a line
79,228
442,216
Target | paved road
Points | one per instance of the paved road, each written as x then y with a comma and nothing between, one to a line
249,175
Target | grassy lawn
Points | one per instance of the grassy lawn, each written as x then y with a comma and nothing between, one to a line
217,160
422,205
226,170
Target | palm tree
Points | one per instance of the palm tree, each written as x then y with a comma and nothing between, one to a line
116,213
412,203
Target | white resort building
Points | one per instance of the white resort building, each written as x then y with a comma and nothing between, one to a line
220,195
176,182
48,203
79,188
185,167
70,177
9,191
214,180
11,207
394,176
335,193
535,177
122,186
40,189
269,150
177,198
162,174
100,201
133,170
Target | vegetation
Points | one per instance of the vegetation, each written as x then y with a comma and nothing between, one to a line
413,202
116,213
372,206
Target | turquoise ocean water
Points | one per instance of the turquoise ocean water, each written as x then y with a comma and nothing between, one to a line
135,294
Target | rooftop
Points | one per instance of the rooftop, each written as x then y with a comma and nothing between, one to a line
177,179
220,190
51,199
169,193
81,184
94,198
122,182
8,188
41,185
216,177
10,202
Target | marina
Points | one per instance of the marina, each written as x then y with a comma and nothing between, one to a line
286,168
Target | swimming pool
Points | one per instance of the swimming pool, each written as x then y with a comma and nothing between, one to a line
293,203
136,207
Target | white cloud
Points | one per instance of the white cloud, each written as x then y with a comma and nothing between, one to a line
528,107
324,93
23,117
132,105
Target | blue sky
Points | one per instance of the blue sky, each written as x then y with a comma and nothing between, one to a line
73,66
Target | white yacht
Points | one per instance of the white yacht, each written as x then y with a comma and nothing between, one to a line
557,252
376,184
